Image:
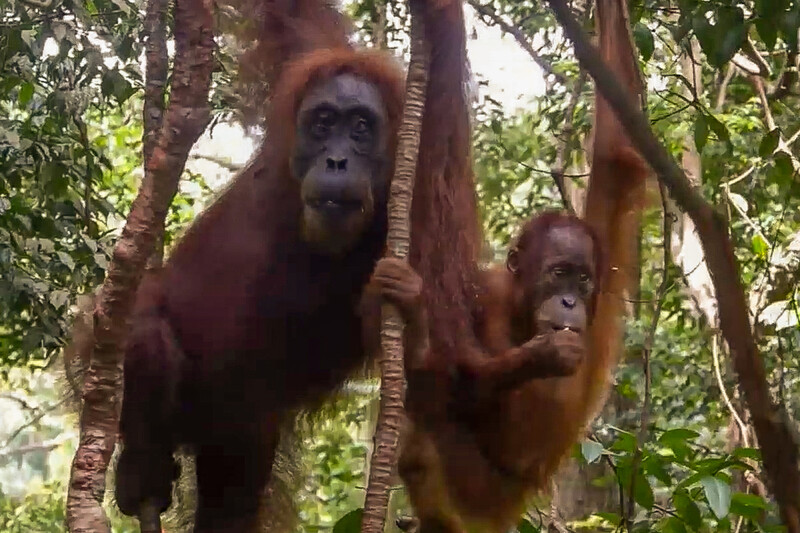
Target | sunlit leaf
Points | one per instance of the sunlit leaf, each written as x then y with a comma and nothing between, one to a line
759,246
591,450
739,201
718,495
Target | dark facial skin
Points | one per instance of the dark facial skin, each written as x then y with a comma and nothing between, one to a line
341,160
559,298
566,282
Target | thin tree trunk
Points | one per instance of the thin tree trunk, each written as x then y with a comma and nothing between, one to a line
775,436
390,419
156,66
184,121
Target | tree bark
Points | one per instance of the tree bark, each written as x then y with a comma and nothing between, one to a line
156,66
778,448
184,121
390,419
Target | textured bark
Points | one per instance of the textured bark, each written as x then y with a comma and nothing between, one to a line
156,65
778,448
184,121
398,240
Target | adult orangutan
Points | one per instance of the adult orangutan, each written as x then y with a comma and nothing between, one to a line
256,312
489,425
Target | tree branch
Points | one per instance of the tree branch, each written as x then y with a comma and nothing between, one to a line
778,447
398,242
519,36
185,119
563,154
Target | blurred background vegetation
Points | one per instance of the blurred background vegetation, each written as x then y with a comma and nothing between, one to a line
722,94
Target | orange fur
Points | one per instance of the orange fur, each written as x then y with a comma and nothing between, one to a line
474,472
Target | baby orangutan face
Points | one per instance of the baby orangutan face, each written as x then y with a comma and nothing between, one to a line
555,283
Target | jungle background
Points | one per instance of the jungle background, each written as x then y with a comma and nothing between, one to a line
672,451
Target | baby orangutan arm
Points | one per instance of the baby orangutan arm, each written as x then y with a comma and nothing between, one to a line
554,354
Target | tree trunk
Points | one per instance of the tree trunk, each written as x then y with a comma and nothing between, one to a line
390,419
185,120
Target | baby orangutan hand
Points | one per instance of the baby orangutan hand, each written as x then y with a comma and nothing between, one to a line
558,353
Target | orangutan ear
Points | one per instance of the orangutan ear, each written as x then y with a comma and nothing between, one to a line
512,261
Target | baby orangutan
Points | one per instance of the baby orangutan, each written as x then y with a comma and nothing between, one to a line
487,430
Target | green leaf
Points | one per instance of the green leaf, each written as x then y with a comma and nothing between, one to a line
612,518
672,525
759,246
768,32
25,94
789,23
750,500
525,526
591,450
677,435
747,453
732,30
114,84
653,465
700,132
349,523
718,495
496,126
59,298
625,442
66,260
643,492
769,143
687,509
644,40
739,201
720,131
705,33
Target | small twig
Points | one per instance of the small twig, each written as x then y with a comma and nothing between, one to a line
788,78
519,36
758,84
750,51
219,161
769,120
563,154
723,391
45,446
723,87
43,412
21,401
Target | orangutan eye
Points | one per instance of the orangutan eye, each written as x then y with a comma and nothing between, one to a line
361,129
558,271
584,278
324,120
